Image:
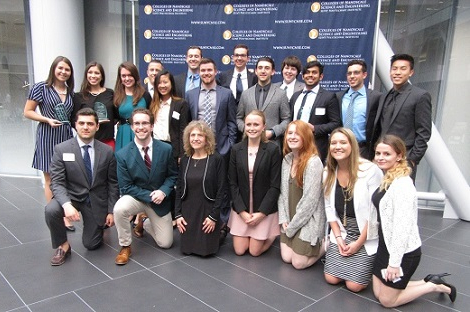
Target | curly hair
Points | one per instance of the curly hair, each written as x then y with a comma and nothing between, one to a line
206,130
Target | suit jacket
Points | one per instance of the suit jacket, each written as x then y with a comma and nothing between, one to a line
178,120
411,121
372,98
266,177
324,116
225,78
225,118
69,178
298,86
180,84
135,179
276,109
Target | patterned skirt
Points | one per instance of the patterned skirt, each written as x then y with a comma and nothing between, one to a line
356,268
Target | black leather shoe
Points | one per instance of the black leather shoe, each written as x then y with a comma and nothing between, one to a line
60,256
224,230
436,277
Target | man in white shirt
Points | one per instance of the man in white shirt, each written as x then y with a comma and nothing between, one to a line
291,68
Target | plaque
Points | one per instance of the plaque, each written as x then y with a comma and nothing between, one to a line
101,111
61,113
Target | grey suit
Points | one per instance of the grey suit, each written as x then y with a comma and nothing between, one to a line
276,109
411,120
69,184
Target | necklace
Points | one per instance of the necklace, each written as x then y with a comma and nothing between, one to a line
347,198
196,161
95,94
60,92
252,152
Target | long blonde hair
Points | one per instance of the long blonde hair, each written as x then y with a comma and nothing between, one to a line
307,150
401,169
332,164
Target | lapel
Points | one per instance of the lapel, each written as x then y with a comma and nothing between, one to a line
367,103
403,96
259,158
244,159
134,151
79,158
96,164
269,97
172,108
155,157
318,99
217,100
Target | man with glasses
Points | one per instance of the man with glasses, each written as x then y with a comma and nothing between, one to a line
239,78
358,105
147,174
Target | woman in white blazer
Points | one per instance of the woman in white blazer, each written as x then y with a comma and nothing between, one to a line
349,182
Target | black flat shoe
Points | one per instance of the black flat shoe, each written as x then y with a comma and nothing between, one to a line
436,277
70,228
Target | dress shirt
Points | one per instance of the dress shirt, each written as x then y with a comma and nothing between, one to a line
162,122
91,151
141,150
258,90
233,83
196,81
200,111
360,112
290,87
150,88
311,96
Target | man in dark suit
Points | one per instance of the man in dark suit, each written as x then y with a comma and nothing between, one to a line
153,68
270,99
316,106
405,111
358,106
221,112
291,68
83,179
239,78
190,79
147,174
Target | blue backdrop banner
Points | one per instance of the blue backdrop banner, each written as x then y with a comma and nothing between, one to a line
332,32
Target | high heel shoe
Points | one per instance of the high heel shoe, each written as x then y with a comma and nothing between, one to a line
436,277
439,280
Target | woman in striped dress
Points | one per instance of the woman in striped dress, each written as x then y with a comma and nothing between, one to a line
349,182
54,124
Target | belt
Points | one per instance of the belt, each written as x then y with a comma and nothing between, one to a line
124,121
362,144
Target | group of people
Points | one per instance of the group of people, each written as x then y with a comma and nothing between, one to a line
213,153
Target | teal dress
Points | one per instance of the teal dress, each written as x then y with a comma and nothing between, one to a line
125,135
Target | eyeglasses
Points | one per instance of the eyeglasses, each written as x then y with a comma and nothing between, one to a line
239,55
143,124
355,73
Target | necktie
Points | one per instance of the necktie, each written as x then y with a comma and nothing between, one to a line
239,86
191,82
306,92
207,106
87,162
261,98
148,162
284,87
348,122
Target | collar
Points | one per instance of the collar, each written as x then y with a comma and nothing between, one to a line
288,84
266,87
402,88
195,76
167,102
314,90
81,143
361,91
140,147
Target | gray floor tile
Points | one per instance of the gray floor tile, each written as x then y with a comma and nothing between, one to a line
69,302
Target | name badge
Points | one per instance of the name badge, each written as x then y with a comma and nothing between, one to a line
68,157
176,115
320,111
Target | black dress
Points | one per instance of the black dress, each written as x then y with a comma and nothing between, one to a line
195,208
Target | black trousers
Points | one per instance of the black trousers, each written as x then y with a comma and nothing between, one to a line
92,236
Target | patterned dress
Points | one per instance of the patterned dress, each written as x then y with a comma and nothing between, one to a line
46,136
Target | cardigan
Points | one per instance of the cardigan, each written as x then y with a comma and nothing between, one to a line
399,219
309,217
369,177
214,184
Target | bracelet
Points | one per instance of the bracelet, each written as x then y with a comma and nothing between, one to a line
338,236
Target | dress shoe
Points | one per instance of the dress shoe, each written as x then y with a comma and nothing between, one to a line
70,228
60,256
138,230
439,280
123,256
224,230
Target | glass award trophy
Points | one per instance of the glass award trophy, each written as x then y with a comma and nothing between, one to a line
101,111
61,113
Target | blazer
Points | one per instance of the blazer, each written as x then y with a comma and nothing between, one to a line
309,216
225,118
266,177
135,179
411,120
69,178
178,120
225,78
369,177
324,116
372,103
180,84
214,184
275,109
399,219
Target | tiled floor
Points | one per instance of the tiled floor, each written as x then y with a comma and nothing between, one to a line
166,280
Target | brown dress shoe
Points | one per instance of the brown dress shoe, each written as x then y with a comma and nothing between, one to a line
123,256
60,256
139,229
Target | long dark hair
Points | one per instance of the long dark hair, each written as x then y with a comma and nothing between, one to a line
51,77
